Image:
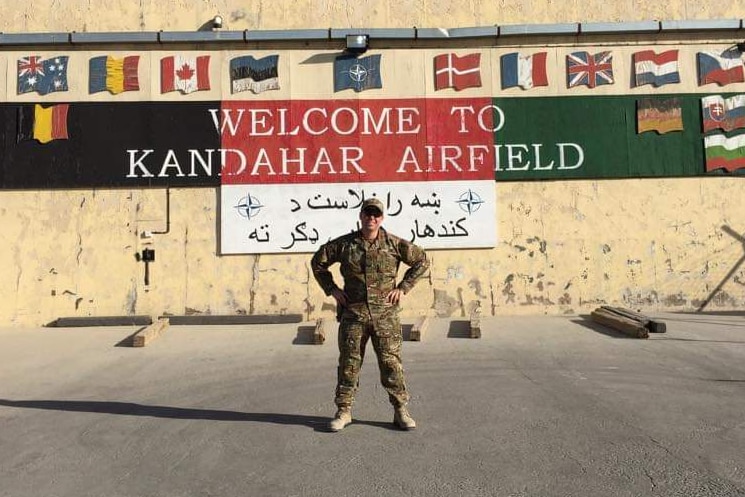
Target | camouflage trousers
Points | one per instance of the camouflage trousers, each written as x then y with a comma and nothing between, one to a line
386,339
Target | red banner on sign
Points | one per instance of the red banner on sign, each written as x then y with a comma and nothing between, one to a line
349,141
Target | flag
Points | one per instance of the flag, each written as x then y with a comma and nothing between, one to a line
114,75
659,114
655,69
726,114
589,70
43,124
525,71
42,75
714,68
184,73
724,153
456,72
257,75
357,74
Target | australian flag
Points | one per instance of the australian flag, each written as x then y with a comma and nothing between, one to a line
589,70
357,74
42,75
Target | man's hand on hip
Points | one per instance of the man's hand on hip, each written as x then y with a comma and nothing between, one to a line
394,296
340,296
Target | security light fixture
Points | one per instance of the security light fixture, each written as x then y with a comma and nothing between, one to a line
217,22
358,43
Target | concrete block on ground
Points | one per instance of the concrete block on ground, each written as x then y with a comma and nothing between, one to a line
420,327
475,325
319,334
147,335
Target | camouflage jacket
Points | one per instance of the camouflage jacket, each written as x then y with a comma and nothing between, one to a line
369,270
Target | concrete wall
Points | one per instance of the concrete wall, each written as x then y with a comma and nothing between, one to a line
187,15
565,246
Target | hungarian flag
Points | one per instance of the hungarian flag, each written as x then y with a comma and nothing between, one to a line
456,72
43,124
184,73
724,153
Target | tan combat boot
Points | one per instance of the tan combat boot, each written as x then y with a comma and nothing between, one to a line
343,418
402,419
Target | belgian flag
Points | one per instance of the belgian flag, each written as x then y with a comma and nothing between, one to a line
43,124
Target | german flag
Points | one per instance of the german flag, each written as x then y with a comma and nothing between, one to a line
43,124
662,115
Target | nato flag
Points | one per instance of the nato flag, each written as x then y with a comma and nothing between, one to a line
357,74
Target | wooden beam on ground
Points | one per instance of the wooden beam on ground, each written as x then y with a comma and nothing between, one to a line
625,325
419,328
653,326
143,337
83,321
475,325
222,320
319,334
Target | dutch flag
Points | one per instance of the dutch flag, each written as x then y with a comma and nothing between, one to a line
655,69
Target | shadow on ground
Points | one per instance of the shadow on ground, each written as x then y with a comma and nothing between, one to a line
318,423
459,329
587,322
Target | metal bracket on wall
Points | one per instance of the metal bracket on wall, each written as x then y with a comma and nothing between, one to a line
168,214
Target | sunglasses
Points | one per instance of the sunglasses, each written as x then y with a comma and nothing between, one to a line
372,212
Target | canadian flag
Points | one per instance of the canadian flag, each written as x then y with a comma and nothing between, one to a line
184,73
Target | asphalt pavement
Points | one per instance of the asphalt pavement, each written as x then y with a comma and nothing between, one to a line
538,406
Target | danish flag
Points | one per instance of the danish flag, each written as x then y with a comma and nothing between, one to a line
456,72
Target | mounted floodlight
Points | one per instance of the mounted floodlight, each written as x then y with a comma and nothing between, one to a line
358,43
217,22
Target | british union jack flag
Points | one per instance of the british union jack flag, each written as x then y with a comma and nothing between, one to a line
589,70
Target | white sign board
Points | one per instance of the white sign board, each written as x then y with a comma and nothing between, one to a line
284,218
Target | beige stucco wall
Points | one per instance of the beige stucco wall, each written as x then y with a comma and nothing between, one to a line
564,246
187,15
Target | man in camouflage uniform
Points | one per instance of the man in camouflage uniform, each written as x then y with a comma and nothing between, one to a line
369,260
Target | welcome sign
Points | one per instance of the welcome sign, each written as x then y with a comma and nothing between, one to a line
298,171
296,139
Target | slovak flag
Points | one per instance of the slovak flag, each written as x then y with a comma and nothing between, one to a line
714,68
525,71
456,72
723,113
184,73
655,69
589,70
